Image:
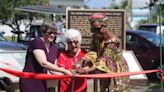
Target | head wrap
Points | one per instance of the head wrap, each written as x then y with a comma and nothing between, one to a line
98,20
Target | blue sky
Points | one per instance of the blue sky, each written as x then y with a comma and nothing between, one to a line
97,3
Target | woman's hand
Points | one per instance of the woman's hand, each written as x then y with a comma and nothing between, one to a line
55,72
68,72
83,70
112,39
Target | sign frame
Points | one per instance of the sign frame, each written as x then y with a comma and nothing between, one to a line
78,19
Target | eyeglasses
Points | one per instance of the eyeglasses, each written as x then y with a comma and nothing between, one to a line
55,33
75,42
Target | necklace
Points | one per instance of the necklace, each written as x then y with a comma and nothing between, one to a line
47,45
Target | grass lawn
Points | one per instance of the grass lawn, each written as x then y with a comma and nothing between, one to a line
9,38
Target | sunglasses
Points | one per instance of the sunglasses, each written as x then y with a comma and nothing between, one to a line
75,42
55,33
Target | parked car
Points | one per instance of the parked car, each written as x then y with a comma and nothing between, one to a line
34,31
146,46
8,45
152,28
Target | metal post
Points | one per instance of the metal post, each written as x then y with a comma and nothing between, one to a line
131,10
95,85
98,53
73,83
160,22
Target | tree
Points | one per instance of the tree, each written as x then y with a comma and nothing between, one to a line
13,18
155,5
125,4
160,12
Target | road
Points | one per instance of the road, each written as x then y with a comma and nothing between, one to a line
136,86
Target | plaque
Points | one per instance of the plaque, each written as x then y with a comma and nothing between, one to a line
78,19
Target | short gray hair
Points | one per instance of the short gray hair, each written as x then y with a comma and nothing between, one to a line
47,25
72,34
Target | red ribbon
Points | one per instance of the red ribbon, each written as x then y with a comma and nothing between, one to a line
162,74
39,76
42,76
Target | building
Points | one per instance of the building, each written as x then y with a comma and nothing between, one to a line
67,3
138,11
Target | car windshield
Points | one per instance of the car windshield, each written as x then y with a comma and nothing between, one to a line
155,39
148,28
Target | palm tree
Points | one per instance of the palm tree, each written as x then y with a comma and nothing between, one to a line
153,15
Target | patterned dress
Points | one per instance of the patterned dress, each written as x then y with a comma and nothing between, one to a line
112,61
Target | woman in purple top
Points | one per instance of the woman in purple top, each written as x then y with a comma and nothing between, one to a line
41,55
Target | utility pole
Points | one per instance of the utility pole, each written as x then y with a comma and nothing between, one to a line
161,34
151,4
159,3
131,10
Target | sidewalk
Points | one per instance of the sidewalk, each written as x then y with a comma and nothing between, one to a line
136,86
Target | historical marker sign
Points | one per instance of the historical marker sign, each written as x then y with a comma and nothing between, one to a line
78,19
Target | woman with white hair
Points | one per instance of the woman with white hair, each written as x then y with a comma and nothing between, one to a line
73,35
68,58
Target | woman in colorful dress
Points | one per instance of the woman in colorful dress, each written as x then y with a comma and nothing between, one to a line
106,56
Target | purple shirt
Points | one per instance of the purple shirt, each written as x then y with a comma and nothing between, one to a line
32,65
